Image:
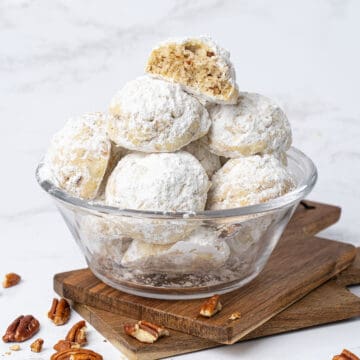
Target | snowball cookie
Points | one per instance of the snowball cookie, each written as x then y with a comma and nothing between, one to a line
200,251
152,115
255,125
158,182
199,65
208,160
79,154
241,236
103,238
96,228
248,181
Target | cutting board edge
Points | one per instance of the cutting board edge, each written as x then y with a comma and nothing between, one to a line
341,266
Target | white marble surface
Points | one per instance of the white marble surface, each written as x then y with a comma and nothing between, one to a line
59,58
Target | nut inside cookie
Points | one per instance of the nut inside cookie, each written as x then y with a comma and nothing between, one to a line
193,64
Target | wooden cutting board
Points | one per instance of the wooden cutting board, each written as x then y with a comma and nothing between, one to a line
297,266
329,303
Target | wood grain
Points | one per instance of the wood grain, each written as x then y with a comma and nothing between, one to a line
350,276
330,302
297,266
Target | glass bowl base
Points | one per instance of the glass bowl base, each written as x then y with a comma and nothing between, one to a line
145,286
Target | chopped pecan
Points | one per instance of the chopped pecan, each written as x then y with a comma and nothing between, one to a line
62,345
15,347
21,329
160,330
36,346
346,355
77,334
211,306
76,354
145,331
59,312
11,279
234,316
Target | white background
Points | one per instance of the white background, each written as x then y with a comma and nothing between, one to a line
60,58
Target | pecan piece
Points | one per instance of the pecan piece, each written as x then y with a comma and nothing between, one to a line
76,354
62,345
59,312
160,330
21,329
36,346
11,279
145,331
211,306
234,316
77,334
346,355
15,347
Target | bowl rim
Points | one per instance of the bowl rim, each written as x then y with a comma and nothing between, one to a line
302,189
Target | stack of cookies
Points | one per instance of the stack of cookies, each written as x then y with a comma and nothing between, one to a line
181,138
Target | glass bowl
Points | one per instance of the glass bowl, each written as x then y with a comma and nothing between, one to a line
211,251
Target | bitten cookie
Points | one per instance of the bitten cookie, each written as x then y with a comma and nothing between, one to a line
201,250
255,125
248,181
208,160
79,154
158,182
152,115
199,65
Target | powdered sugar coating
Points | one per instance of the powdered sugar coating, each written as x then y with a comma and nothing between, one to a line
152,115
208,160
102,236
159,182
202,250
224,65
99,229
255,125
248,181
78,155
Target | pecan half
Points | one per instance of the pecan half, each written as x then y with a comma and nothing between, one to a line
36,346
211,306
59,312
346,355
62,345
145,331
76,354
77,334
11,279
21,329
